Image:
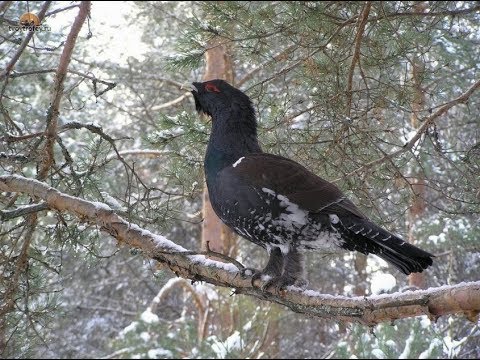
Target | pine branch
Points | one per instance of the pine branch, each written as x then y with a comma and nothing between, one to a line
463,298
462,99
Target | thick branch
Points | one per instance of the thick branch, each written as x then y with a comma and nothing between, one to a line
53,111
463,298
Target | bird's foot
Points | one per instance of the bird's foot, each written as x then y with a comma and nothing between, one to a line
273,281
281,282
254,274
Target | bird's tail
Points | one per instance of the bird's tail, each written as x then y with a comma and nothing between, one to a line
364,236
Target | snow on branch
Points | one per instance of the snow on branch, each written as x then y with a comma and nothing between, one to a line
462,298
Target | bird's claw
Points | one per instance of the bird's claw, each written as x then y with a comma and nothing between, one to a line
250,272
277,283
280,283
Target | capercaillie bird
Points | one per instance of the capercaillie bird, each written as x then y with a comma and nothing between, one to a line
277,203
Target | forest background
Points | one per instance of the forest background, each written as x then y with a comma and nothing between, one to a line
99,139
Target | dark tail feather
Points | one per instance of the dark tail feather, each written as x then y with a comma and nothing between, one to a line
364,236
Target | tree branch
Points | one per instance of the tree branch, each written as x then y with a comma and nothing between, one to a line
22,211
421,130
53,111
263,65
362,21
172,102
46,71
4,5
463,298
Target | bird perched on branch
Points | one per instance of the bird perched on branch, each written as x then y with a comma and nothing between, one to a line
279,204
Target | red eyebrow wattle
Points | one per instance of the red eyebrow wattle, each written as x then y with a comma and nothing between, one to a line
211,87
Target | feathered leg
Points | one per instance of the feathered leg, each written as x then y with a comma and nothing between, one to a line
292,273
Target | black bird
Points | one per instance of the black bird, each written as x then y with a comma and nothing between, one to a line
279,204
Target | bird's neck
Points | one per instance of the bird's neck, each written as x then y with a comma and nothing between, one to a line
234,134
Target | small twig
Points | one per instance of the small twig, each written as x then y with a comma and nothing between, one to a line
4,5
172,102
290,67
56,11
15,74
25,210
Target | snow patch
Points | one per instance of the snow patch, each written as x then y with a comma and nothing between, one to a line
127,329
222,348
149,317
427,354
382,283
159,353
378,354
145,336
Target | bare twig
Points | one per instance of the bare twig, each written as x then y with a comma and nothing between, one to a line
172,102
45,71
56,11
300,61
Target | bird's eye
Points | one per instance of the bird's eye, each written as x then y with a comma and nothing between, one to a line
211,88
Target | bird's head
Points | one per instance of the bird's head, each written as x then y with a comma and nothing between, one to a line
217,98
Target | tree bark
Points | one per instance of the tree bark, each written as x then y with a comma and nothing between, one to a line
417,184
219,237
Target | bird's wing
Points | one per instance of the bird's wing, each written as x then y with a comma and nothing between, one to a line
267,172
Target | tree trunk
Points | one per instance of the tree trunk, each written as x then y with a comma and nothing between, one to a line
419,190
218,236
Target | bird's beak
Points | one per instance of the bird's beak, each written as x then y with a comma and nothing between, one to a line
195,86
190,87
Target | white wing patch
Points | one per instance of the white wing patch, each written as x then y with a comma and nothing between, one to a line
292,216
325,241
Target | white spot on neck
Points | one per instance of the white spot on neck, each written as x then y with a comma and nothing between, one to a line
238,161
